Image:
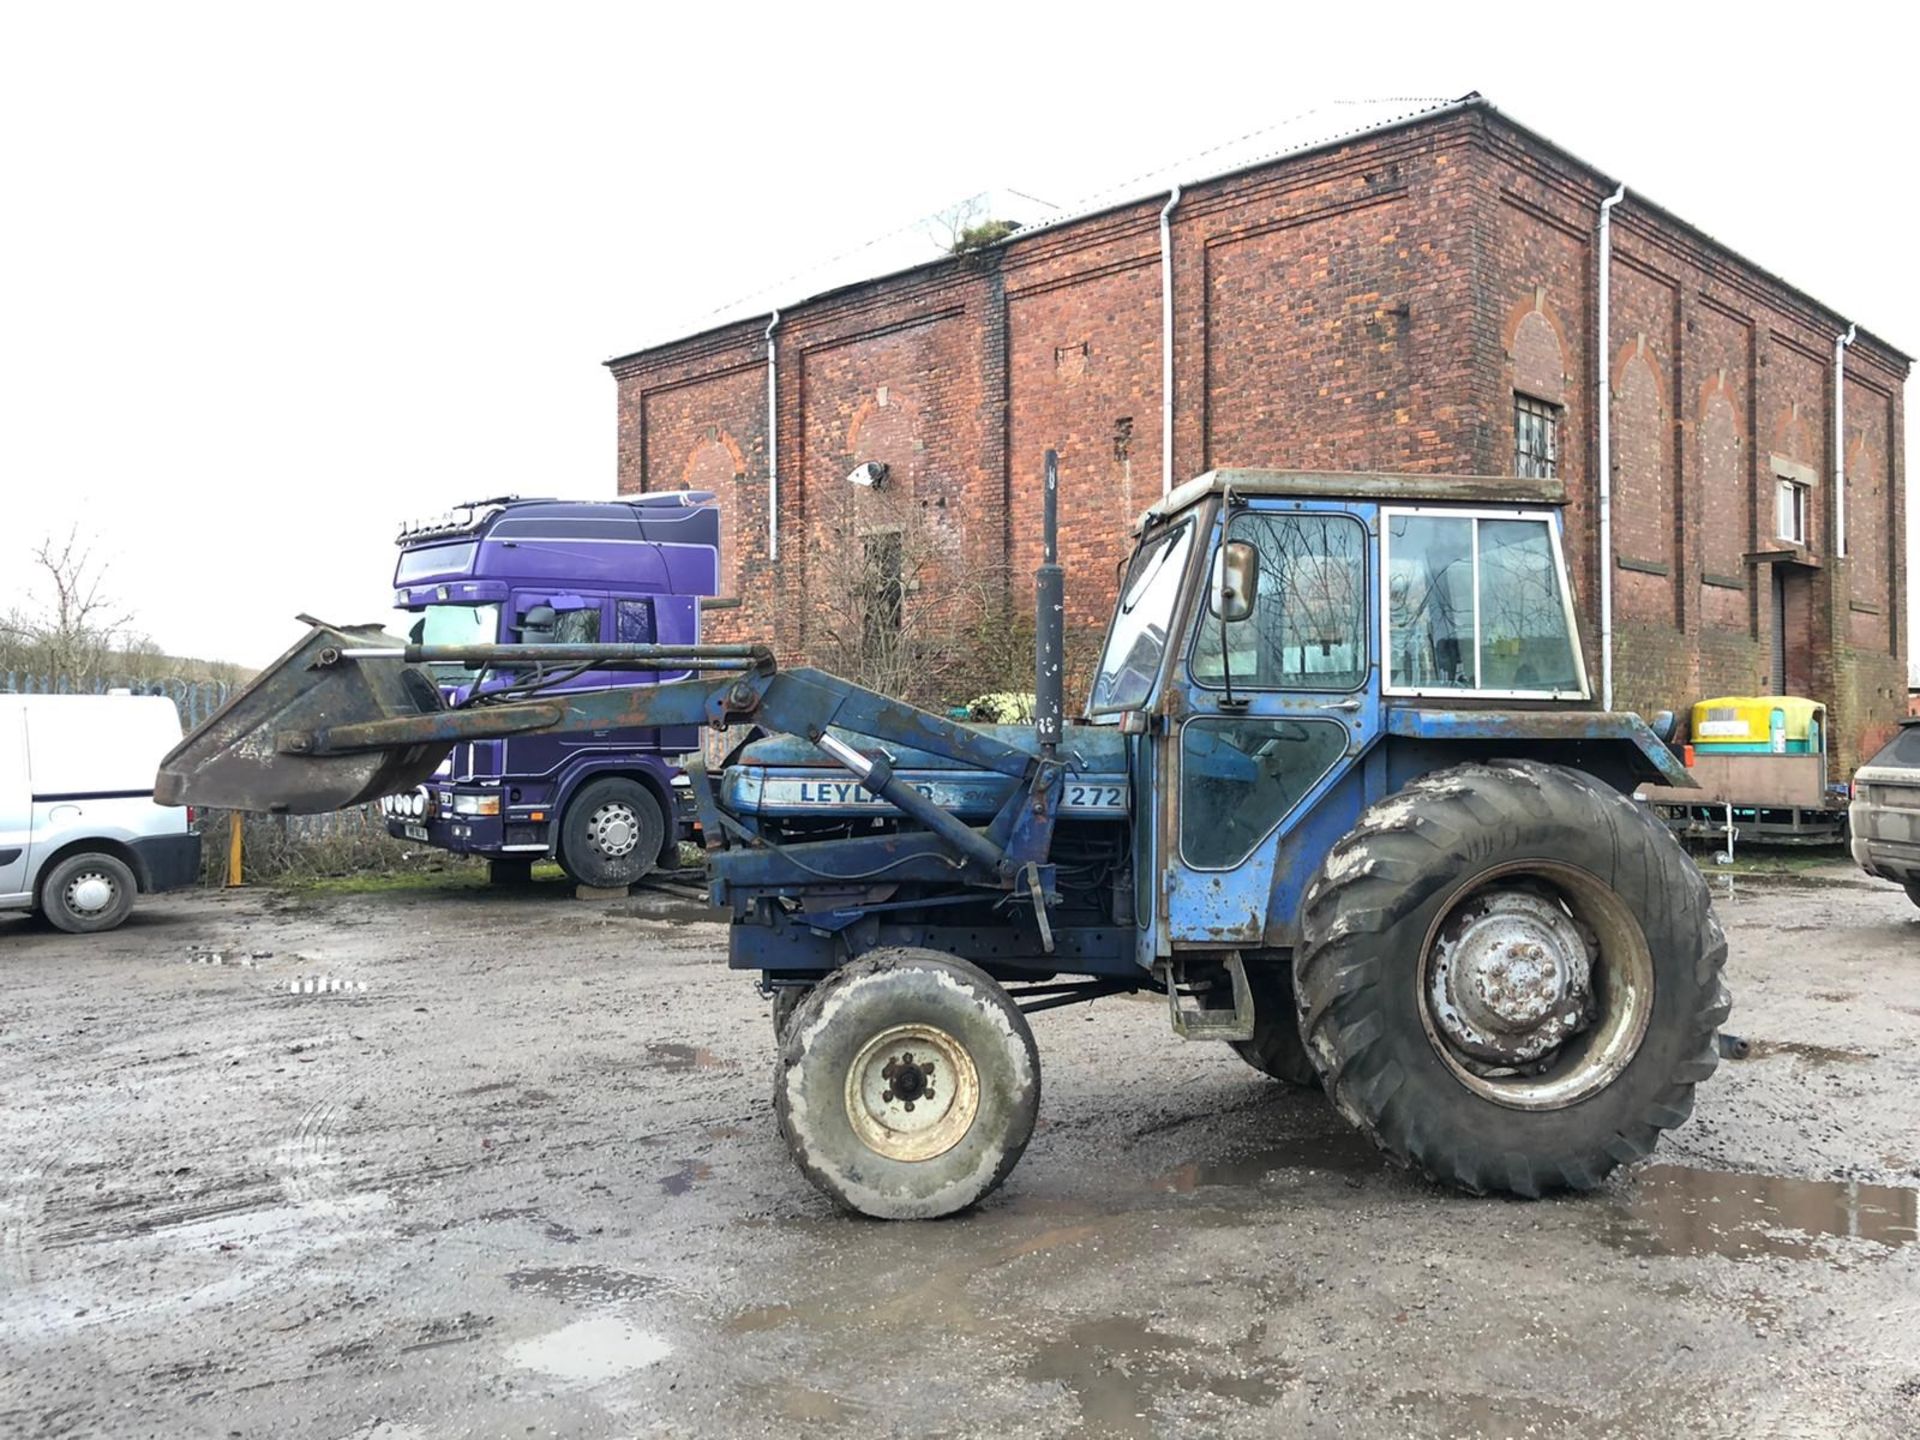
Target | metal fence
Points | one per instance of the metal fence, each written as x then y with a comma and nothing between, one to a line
195,699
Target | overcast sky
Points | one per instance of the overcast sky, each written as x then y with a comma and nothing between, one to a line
273,278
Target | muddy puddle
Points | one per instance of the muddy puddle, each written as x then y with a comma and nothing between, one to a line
593,1284
1817,1054
674,1058
588,1351
1675,1210
1118,1370
1346,1153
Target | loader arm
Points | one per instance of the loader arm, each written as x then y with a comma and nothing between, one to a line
346,716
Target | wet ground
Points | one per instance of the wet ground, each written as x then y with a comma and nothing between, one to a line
466,1165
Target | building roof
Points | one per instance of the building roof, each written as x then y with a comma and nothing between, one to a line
906,250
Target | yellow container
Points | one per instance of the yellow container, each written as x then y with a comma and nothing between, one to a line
1760,724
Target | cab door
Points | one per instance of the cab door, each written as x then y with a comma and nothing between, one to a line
1279,706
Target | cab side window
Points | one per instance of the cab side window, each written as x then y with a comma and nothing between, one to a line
1308,628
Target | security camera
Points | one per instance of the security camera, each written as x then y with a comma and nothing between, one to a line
869,474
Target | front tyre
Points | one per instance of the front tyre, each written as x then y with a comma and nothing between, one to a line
87,893
907,1085
612,833
1510,977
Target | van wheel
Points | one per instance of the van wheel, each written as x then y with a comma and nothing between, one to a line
85,893
611,834
907,1085
1509,977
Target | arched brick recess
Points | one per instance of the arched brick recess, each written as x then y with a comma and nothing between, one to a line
1643,509
717,463
1725,520
1537,347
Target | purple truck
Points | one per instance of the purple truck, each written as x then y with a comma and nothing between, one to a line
609,805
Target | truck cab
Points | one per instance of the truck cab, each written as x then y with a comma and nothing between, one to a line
610,804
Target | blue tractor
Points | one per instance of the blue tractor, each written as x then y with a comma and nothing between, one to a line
1340,794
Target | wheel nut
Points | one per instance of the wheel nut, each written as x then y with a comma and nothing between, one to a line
909,1104
886,1095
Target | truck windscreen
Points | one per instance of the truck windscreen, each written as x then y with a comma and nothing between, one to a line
456,625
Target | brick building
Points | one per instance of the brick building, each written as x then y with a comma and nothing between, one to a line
1422,296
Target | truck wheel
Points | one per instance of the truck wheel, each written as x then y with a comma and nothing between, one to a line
1276,1048
85,893
1912,888
1509,977
611,834
907,1085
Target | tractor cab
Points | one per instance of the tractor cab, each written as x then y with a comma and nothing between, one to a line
1279,640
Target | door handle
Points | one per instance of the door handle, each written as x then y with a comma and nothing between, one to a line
1350,705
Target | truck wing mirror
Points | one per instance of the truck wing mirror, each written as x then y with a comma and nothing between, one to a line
1236,580
540,620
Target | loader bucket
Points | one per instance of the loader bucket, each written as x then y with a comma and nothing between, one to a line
235,761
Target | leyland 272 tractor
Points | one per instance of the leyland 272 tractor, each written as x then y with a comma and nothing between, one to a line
1339,794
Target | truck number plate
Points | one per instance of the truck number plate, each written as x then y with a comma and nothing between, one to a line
1094,797
416,832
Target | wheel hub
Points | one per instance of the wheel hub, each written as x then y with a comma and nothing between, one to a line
1512,978
912,1093
89,892
614,830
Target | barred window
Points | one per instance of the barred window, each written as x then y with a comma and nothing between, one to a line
1536,438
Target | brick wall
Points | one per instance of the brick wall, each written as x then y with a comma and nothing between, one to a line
1374,305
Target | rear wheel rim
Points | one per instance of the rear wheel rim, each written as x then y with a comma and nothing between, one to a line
912,1093
1536,986
91,892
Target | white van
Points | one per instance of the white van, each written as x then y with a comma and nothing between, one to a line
79,832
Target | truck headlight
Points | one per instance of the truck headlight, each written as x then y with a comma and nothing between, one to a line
476,804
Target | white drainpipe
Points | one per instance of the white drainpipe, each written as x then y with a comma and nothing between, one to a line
1603,414
773,442
1840,345
1166,342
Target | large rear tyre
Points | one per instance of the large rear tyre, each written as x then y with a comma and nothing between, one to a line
611,834
1912,887
1276,1049
907,1085
1510,978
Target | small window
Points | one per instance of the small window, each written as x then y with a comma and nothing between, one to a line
1790,510
1536,438
633,622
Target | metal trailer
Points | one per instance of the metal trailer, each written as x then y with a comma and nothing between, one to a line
1341,795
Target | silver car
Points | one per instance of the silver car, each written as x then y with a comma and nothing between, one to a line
1884,819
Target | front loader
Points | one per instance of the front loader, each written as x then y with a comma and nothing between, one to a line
1339,793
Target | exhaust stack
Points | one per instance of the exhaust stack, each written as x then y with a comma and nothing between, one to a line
1049,622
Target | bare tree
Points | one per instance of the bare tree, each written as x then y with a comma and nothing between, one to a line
79,626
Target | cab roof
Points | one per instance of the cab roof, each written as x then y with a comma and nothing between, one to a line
1359,485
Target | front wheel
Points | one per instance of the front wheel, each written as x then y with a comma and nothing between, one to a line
907,1086
1509,977
88,893
612,833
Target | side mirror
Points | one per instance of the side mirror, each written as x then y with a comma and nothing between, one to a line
1236,580
540,620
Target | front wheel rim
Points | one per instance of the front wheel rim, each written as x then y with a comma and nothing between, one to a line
614,830
912,1093
1536,986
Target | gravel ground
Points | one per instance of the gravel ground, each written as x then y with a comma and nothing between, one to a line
468,1164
